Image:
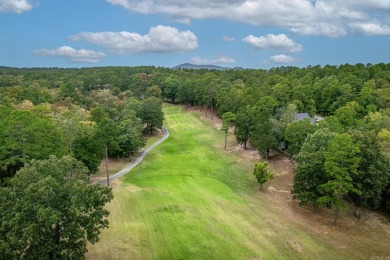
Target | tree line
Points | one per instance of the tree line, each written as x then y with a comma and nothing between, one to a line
93,113
53,136
342,159
111,125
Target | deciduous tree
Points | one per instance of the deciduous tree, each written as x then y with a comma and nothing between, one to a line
26,136
227,120
50,211
151,114
373,171
130,137
341,164
262,173
310,171
88,147
296,133
107,134
243,125
264,134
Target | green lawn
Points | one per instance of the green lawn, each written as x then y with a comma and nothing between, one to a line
191,200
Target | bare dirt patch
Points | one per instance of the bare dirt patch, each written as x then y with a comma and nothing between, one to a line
271,188
296,245
114,165
246,153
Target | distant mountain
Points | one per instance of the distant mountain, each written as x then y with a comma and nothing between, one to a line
207,67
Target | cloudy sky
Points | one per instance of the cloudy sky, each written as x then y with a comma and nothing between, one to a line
245,33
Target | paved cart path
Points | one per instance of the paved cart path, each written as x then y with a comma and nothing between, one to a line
138,160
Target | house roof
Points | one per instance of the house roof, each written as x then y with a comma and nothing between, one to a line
302,116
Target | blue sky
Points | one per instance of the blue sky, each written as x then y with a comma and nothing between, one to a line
244,33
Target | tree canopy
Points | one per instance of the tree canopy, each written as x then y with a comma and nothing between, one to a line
262,173
350,98
50,211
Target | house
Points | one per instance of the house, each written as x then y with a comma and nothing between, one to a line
302,116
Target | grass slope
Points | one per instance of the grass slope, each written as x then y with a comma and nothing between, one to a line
191,200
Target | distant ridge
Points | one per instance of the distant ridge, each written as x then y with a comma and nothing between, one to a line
207,67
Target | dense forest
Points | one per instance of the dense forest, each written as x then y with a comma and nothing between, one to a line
90,113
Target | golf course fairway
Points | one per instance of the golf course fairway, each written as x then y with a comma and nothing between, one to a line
190,199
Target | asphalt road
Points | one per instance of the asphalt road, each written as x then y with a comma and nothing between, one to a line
138,159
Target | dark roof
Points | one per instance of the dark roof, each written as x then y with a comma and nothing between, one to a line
301,116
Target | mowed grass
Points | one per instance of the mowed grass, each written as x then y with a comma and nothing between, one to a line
191,200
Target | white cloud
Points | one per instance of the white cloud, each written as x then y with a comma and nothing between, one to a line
371,28
278,42
71,54
329,30
364,4
221,59
159,39
228,38
308,17
281,58
15,6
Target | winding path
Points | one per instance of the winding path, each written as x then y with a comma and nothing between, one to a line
139,158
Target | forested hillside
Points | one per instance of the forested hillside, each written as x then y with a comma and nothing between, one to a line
92,113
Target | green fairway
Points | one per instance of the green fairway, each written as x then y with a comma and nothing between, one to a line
191,200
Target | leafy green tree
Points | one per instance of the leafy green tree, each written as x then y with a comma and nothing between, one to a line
325,90
130,136
310,171
105,100
348,114
150,112
88,148
373,175
267,104
303,97
243,124
171,88
341,166
366,95
26,136
10,95
36,94
185,93
199,93
384,142
213,84
332,123
264,134
229,98
281,93
153,91
262,173
288,116
344,96
70,128
296,133
227,120
97,114
70,90
107,134
377,121
4,128
129,106
50,211
383,97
